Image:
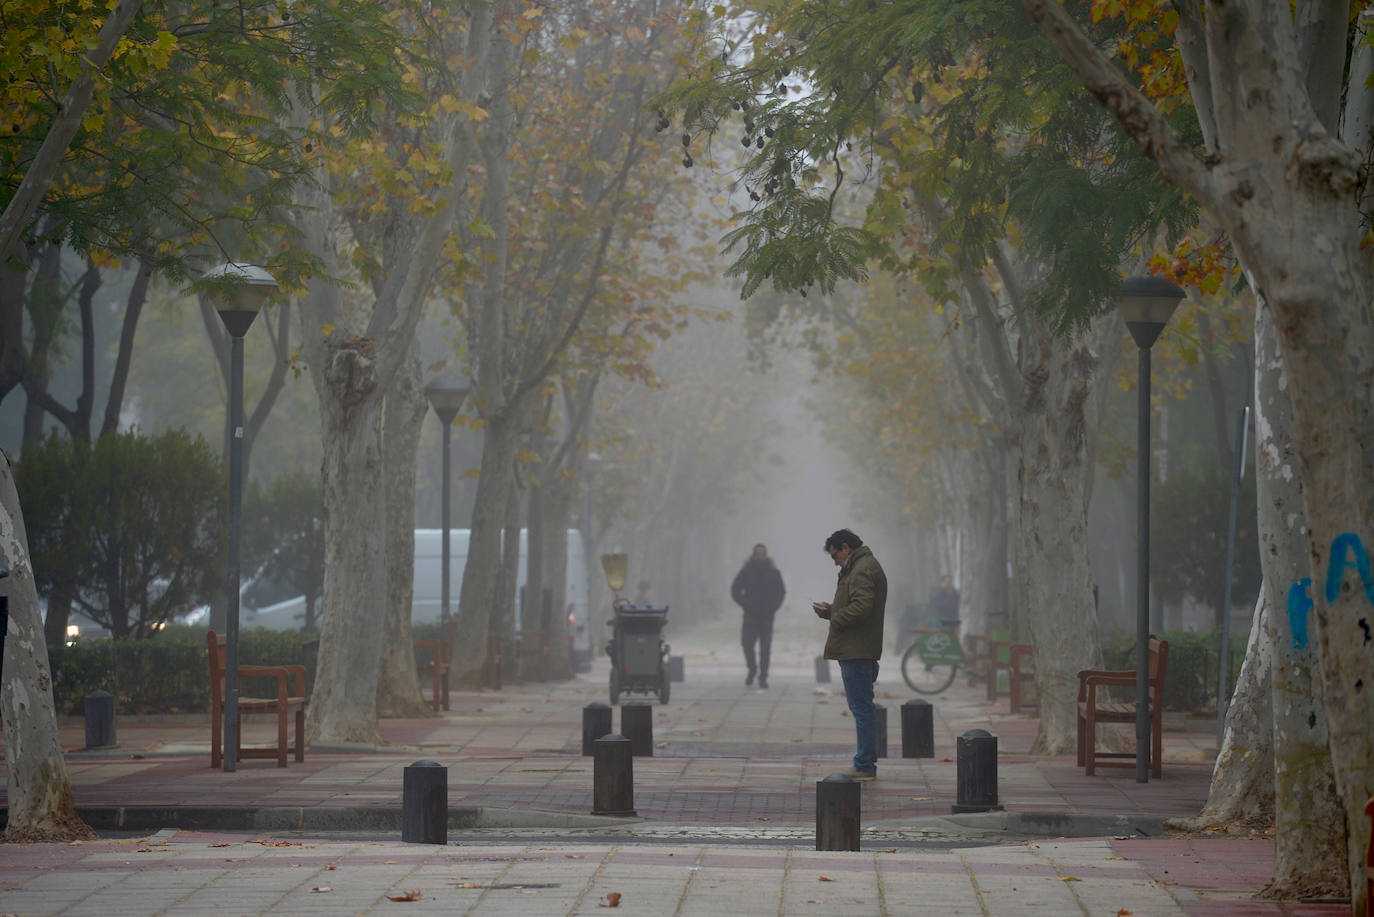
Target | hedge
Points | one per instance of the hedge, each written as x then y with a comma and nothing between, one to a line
167,673
1190,681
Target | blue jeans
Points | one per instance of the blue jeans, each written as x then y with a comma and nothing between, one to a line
859,676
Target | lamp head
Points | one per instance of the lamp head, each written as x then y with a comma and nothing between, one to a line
1146,303
238,292
446,398
616,567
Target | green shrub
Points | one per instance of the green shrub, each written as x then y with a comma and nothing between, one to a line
1190,681
167,673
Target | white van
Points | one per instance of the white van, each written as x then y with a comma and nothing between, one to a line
428,589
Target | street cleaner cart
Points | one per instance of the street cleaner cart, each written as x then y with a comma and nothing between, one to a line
639,657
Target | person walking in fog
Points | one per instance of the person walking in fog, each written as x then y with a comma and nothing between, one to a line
944,602
758,590
856,638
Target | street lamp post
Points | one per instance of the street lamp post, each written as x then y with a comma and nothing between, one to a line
238,291
1145,304
447,399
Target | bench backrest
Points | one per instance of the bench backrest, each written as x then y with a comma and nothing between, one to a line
216,652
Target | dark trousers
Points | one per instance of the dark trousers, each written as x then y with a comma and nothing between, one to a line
757,629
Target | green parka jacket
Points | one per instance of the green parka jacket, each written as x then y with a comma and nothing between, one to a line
856,614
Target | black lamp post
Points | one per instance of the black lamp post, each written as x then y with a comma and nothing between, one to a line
238,292
1146,304
446,398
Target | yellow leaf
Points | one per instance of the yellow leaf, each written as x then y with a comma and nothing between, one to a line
326,330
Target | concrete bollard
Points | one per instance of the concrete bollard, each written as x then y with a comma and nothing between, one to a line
424,803
596,722
976,760
822,670
881,717
100,719
837,813
637,725
918,729
677,668
613,781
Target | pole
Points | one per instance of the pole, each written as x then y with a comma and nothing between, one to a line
1142,589
444,578
231,621
1224,652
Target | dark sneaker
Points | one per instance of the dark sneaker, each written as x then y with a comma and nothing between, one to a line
853,773
749,679
763,682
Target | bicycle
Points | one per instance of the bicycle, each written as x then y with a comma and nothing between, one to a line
931,663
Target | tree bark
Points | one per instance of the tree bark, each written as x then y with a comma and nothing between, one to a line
40,794
398,688
1242,789
344,704
1310,840
1054,482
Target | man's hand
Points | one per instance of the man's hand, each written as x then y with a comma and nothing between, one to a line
822,609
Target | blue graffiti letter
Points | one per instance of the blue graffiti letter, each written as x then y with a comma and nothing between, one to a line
1299,604
1341,548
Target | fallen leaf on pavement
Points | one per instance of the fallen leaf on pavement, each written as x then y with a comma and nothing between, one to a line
796,740
661,745
466,885
826,879
321,888
1068,878
219,845
1123,913
612,900
407,896
922,798
575,856
331,866
946,760
1116,858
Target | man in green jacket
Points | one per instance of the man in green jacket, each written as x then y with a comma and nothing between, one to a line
856,638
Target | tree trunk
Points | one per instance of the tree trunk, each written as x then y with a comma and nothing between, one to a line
1309,847
398,688
40,794
1242,790
1054,481
555,576
478,593
343,707
508,596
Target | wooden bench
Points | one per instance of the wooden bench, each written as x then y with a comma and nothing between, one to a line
1022,678
283,705
532,646
432,659
1093,711
989,657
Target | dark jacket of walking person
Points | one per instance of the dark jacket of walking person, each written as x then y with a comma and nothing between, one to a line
944,602
759,591
855,638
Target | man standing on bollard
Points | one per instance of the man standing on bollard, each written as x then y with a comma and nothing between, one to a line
856,638
758,590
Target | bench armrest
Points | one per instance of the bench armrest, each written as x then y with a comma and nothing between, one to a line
439,648
281,673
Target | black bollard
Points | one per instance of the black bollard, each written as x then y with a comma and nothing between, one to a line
596,722
100,719
837,813
613,780
424,803
677,669
918,729
976,760
881,712
637,725
822,670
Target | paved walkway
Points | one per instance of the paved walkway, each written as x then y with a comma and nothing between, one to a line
726,825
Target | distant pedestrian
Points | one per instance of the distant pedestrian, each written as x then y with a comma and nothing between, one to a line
944,602
759,591
856,639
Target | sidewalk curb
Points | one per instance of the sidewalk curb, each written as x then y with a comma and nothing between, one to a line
318,818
